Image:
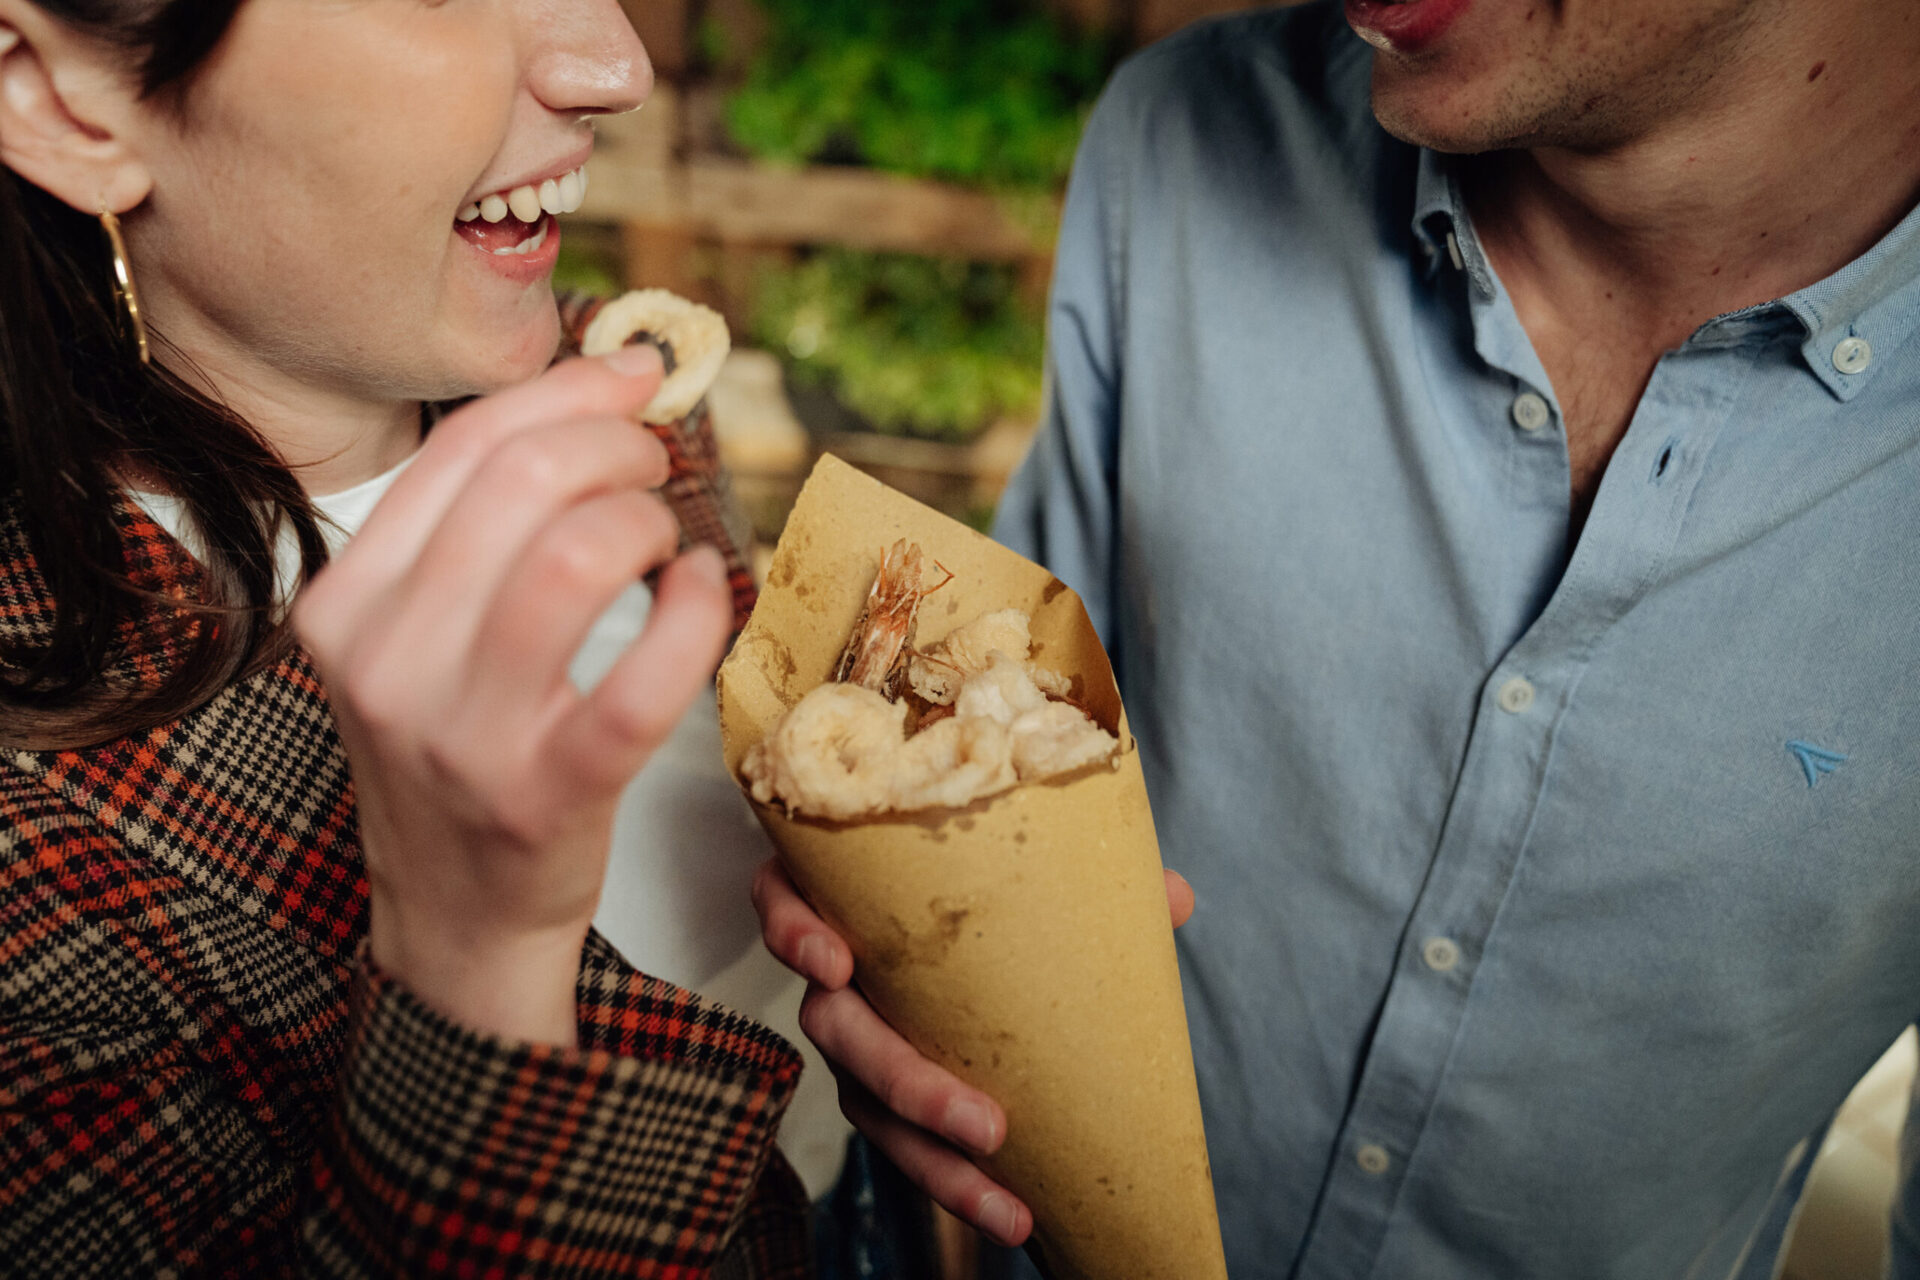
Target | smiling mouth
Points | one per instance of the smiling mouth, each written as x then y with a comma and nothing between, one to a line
518,221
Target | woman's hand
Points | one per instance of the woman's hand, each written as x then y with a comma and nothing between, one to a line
486,784
925,1120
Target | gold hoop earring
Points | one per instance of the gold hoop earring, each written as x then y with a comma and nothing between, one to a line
125,296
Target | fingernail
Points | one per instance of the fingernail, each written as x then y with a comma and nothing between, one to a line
971,1125
998,1218
641,360
813,957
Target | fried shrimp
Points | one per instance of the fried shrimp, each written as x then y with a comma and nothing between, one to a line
872,656
993,718
938,675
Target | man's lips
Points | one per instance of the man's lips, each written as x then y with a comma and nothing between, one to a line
1407,26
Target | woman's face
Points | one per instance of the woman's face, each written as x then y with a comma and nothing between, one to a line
304,225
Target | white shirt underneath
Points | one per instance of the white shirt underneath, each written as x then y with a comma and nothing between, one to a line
685,847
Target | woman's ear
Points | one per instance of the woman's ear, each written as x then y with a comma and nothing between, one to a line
67,113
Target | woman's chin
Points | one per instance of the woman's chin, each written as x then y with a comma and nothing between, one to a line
488,358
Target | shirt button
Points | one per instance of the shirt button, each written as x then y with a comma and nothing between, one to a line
1516,696
1853,355
1373,1159
1441,954
1531,412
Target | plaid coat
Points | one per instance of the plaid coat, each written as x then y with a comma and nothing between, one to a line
202,1073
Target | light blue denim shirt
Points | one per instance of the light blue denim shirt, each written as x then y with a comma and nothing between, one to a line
1552,896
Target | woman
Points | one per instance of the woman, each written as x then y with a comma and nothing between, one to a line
256,1019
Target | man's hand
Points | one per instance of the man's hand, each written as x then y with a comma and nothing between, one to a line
486,783
925,1120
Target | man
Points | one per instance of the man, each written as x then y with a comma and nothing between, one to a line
1503,516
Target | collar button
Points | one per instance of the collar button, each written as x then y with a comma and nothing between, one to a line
1853,355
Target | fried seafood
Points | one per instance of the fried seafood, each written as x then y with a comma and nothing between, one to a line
692,339
872,656
991,719
937,676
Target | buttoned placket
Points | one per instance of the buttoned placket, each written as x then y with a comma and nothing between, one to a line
1630,531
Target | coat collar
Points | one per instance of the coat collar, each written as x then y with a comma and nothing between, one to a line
248,798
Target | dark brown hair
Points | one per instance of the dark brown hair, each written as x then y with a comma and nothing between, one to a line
78,412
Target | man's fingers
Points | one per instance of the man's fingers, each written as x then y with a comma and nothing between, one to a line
797,937
926,1095
951,1179
1179,898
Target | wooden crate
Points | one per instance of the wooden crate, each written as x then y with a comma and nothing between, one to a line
642,175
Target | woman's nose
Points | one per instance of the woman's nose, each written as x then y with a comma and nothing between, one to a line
584,57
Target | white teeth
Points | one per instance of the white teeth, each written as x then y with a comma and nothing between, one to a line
527,246
556,196
525,203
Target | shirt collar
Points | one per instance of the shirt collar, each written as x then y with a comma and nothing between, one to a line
1862,312
1873,300
1442,228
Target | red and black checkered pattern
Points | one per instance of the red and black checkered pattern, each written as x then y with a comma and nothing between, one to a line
698,492
200,1074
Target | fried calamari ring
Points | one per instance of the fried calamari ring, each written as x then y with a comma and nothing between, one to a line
693,341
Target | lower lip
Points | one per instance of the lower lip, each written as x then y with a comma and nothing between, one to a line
522,268
1406,28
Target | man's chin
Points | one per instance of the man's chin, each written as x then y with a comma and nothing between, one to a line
1467,119
1439,116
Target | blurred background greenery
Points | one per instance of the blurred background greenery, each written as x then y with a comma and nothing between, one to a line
869,191
929,347
980,91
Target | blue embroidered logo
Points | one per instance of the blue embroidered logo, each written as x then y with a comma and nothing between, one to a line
1816,761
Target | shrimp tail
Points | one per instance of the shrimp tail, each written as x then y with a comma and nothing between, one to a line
876,654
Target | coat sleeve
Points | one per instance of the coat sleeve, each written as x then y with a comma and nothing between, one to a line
144,1131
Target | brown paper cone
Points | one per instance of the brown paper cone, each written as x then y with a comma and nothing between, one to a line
1024,943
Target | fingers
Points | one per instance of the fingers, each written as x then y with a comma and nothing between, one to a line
616,387
879,1059
609,734
414,638
797,937
1179,898
952,1180
901,1101
399,529
511,497
550,599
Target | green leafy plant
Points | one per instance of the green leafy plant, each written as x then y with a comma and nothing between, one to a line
991,92
916,346
585,270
